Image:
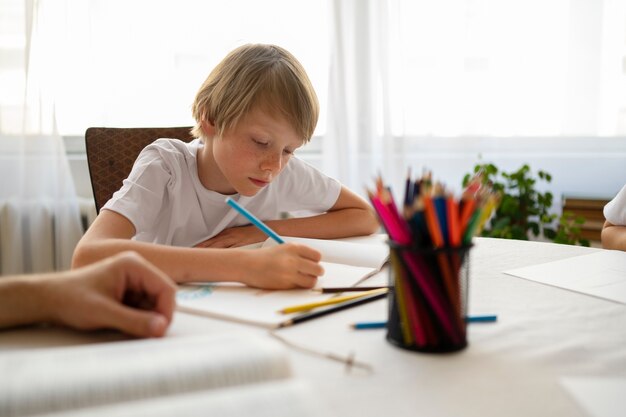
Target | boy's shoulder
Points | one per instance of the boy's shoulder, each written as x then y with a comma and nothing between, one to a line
165,152
172,148
174,145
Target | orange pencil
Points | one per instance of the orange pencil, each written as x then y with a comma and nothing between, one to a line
432,222
454,229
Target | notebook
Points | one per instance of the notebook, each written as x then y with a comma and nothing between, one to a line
346,263
225,375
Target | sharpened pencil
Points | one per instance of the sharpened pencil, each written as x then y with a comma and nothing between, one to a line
337,307
332,290
330,301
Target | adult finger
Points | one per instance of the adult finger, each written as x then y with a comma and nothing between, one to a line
142,277
132,321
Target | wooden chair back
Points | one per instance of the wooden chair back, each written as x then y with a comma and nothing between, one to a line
111,153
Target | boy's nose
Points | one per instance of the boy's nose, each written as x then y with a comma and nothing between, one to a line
272,163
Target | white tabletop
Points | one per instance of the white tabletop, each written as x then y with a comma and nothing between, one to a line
510,368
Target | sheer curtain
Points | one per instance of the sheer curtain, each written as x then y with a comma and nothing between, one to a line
419,83
39,216
363,79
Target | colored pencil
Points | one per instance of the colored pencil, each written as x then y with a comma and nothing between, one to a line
333,309
336,300
383,324
332,290
254,220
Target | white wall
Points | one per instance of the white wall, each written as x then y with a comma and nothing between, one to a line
589,167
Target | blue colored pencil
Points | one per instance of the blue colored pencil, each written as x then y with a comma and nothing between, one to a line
254,220
369,325
383,324
481,319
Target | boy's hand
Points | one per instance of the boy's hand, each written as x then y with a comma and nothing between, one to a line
124,292
283,267
234,237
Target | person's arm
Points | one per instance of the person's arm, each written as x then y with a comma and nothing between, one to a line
350,216
124,292
613,236
279,267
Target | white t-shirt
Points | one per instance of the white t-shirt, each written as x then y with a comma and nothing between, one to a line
615,210
166,202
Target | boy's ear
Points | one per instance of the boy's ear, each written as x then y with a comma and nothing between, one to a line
208,128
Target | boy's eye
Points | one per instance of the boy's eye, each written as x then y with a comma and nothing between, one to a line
287,151
259,142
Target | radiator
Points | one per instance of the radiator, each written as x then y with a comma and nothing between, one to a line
34,239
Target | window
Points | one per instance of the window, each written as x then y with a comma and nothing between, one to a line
140,63
513,68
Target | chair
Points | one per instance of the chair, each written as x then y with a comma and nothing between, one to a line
111,153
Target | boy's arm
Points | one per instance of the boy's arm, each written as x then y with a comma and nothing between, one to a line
613,236
279,267
350,216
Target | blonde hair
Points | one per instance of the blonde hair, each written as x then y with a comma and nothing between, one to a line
256,75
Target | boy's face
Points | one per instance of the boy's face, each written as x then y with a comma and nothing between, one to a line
251,155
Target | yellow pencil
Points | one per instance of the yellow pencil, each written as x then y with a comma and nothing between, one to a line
490,205
330,301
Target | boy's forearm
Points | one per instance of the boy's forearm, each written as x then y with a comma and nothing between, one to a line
180,264
332,225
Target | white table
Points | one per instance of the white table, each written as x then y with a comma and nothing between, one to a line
510,368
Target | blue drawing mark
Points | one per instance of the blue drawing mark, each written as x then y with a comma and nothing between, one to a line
194,292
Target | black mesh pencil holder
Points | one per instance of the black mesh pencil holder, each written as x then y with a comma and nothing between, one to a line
428,298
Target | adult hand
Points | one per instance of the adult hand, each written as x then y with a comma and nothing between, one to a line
124,292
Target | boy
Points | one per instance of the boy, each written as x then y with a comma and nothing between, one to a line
252,112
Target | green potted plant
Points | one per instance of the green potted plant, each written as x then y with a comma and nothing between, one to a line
524,210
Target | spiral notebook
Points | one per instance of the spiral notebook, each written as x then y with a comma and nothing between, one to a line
227,375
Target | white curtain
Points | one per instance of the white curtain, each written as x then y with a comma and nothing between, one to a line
405,73
363,71
39,215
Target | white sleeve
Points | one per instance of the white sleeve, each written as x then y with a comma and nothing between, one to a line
615,210
306,188
144,192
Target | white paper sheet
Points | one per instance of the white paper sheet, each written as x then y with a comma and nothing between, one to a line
599,397
370,252
600,274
